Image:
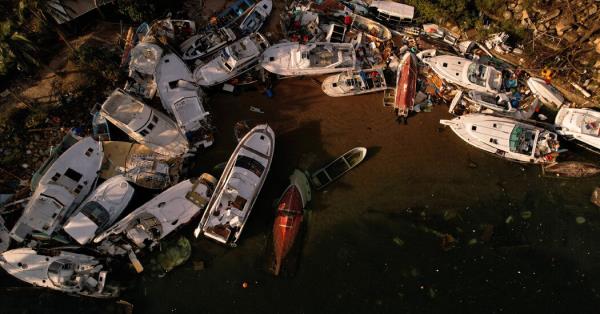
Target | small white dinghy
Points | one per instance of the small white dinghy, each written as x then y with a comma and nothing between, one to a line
100,210
205,44
354,83
507,138
293,59
143,62
582,125
59,270
337,168
239,186
154,220
236,59
547,93
257,17
144,124
64,185
182,98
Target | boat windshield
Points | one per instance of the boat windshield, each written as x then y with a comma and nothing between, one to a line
62,272
96,213
521,140
476,73
250,164
228,60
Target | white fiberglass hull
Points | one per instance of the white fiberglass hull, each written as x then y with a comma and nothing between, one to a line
293,59
354,83
582,125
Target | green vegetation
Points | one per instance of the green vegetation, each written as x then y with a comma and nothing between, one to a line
137,11
16,50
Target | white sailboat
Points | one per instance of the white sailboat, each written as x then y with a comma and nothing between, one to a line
64,185
293,59
580,124
257,17
237,190
236,59
507,138
58,270
100,210
354,83
205,44
182,98
154,220
144,124
466,73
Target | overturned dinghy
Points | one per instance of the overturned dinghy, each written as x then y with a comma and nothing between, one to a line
140,165
507,138
581,125
205,44
239,186
466,73
59,270
236,59
293,59
143,62
157,218
64,185
257,17
182,98
100,210
354,83
144,124
337,168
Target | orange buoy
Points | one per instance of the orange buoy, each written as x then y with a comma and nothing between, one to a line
244,285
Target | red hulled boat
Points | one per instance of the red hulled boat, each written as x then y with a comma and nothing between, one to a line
406,84
289,217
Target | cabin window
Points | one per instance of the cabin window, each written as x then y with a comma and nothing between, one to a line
150,126
73,175
78,189
495,125
445,65
89,152
250,164
474,128
56,177
144,132
155,119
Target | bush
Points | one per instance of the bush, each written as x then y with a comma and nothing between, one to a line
137,11
100,63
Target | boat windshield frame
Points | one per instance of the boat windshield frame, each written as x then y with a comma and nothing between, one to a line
95,212
250,164
518,142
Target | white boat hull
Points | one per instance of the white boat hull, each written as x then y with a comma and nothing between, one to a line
582,125
293,59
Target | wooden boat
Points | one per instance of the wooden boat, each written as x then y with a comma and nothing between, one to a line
335,169
157,218
68,140
236,59
100,210
61,189
294,59
506,138
144,124
581,125
140,165
257,17
235,11
354,83
205,44
239,186
289,216
572,169
370,28
59,270
406,84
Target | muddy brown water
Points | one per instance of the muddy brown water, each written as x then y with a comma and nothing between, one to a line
372,240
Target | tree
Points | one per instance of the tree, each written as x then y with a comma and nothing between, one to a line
48,11
16,49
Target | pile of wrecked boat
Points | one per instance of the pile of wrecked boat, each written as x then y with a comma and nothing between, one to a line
82,192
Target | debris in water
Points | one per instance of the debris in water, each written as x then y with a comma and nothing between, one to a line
509,219
448,242
244,285
595,199
398,241
488,231
472,241
526,214
174,253
580,220
199,265
255,109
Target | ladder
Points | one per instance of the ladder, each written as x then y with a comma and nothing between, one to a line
336,33
389,97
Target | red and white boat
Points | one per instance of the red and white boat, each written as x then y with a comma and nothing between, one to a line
406,84
290,211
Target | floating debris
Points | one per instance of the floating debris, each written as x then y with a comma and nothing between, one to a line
526,214
580,220
399,242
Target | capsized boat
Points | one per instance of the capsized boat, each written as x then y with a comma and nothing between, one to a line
580,124
406,84
143,62
61,189
370,28
144,124
257,17
354,83
239,186
55,151
547,93
157,218
59,270
235,11
507,138
466,73
293,59
207,43
236,59
182,98
100,210
140,165
288,221
337,168
4,236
